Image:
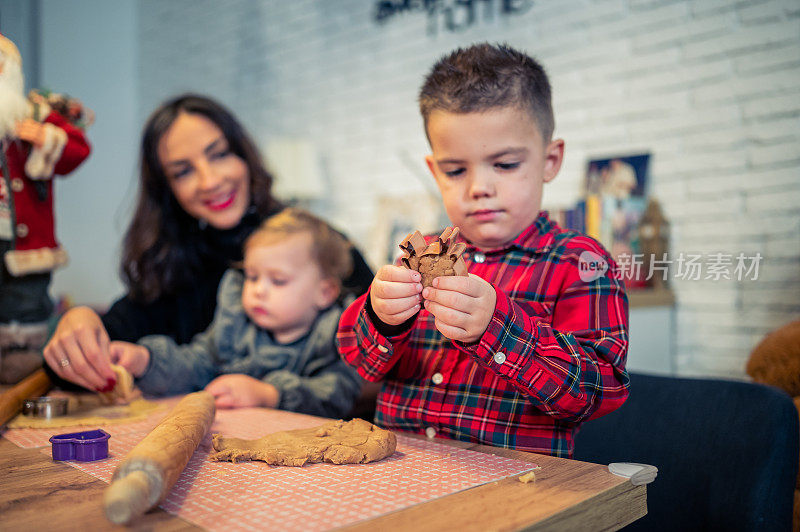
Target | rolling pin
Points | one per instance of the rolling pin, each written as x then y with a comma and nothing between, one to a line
149,471
34,385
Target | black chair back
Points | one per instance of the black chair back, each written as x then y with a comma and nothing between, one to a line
726,452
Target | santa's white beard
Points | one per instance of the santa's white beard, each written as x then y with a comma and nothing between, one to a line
13,104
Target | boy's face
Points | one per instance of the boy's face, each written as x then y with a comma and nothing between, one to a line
490,167
284,288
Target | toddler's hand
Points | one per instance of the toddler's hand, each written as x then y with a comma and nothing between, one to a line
237,390
133,357
395,294
462,306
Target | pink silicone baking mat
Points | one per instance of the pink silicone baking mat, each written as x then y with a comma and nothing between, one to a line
257,496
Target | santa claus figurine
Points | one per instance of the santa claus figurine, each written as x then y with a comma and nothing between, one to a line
36,143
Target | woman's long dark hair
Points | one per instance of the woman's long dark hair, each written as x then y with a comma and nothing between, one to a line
160,247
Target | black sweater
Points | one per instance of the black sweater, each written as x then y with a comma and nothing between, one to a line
189,310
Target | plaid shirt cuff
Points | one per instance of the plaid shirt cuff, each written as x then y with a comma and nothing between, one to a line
377,350
507,346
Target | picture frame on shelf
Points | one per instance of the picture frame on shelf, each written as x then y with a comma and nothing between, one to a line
616,197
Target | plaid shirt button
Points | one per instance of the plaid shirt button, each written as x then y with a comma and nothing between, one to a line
499,357
479,257
383,349
437,378
430,432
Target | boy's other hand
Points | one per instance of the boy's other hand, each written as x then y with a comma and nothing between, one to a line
395,294
237,391
462,306
133,357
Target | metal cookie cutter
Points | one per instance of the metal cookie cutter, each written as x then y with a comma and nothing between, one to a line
44,407
81,446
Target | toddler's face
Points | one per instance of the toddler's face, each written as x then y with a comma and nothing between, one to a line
284,289
490,167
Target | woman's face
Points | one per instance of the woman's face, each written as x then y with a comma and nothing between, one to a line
209,181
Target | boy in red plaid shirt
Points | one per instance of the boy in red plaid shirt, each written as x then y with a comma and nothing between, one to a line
533,341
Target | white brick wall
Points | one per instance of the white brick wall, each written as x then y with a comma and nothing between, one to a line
710,87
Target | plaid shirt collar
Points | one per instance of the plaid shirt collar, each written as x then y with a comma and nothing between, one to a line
536,238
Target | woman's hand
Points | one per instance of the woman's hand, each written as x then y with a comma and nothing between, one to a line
237,390
79,350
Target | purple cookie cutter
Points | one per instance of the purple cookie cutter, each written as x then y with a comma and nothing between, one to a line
81,446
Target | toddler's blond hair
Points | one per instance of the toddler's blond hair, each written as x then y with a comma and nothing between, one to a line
329,249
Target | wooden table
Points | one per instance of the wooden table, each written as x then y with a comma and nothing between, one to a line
39,494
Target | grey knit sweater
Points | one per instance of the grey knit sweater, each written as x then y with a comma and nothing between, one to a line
310,376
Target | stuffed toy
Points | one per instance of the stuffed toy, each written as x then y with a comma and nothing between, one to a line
41,136
776,362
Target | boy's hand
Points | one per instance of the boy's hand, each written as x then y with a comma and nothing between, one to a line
133,357
395,294
237,390
462,306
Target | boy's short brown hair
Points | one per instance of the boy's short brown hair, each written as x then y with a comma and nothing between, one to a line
330,250
486,76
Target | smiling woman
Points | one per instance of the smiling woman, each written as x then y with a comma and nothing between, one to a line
208,180
203,190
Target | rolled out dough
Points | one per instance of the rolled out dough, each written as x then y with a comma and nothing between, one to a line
337,442
123,404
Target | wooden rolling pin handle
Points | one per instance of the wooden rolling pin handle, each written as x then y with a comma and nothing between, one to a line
129,497
149,470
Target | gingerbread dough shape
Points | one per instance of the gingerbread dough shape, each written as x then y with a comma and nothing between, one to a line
124,391
336,442
441,257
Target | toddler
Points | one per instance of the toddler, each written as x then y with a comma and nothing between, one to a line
271,342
